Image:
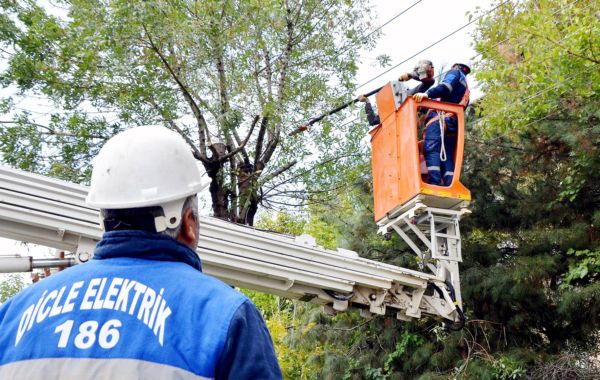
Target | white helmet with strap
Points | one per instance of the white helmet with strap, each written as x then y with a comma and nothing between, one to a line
146,166
465,66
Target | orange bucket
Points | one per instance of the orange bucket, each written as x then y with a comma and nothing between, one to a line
397,174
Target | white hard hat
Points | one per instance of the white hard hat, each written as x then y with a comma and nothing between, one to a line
146,166
466,64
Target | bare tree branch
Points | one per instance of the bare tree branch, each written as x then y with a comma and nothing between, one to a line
259,141
51,131
333,159
277,172
242,145
202,126
233,206
174,125
239,143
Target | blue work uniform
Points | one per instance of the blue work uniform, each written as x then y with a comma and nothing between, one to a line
440,142
141,309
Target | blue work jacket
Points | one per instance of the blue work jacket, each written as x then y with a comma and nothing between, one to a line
451,89
141,309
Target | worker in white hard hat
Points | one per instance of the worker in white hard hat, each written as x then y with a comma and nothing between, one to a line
442,128
141,308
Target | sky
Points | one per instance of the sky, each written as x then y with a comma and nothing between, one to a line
426,22
422,25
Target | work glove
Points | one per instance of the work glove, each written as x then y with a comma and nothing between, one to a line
404,77
420,96
363,98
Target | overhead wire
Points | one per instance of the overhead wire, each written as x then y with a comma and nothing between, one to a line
437,77
540,92
526,99
535,95
364,37
426,48
433,44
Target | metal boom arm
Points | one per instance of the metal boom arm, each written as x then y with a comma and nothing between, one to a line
53,213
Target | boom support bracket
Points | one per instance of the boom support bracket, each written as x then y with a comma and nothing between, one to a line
434,236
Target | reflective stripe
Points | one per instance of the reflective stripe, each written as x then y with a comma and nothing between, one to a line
430,168
78,368
448,173
448,86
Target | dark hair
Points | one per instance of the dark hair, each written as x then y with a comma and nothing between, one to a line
142,218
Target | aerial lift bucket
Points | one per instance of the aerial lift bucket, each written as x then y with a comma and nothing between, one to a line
399,181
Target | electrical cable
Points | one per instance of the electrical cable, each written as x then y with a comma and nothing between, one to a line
433,44
461,316
380,26
440,75
445,37
338,296
360,39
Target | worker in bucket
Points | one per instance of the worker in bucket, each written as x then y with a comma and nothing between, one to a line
141,308
423,72
441,128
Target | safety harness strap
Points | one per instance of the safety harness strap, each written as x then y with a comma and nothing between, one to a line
464,101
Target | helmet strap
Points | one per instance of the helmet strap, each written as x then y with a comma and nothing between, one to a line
172,217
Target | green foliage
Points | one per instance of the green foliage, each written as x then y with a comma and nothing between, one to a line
295,225
10,285
506,368
280,316
282,222
586,267
206,69
374,374
407,341
530,273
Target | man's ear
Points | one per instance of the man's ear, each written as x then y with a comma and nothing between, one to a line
189,229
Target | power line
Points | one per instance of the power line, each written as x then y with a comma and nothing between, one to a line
390,20
540,92
360,39
363,38
433,44
440,75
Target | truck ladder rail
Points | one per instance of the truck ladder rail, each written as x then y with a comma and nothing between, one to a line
53,213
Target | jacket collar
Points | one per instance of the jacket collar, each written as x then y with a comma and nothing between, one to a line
144,245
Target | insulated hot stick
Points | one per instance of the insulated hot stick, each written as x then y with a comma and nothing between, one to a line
303,127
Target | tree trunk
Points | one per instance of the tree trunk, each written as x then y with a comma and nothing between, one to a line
248,193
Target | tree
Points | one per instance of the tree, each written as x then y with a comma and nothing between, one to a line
230,76
10,285
540,75
531,247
